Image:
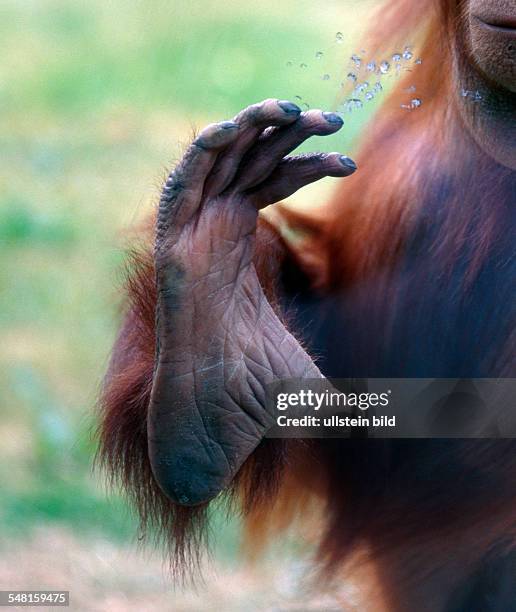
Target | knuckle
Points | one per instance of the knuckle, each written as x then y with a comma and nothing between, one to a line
271,105
205,134
312,121
247,113
315,163
323,162
215,135
255,112
267,110
312,116
268,104
317,122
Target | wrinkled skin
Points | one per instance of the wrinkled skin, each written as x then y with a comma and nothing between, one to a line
219,340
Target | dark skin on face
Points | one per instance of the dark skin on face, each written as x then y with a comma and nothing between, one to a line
489,35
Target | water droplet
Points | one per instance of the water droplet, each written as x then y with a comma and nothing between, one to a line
407,53
325,77
384,67
289,64
476,96
298,97
318,55
303,65
406,106
356,60
377,86
418,61
411,89
396,57
371,66
369,95
339,37
398,68
354,103
415,102
352,77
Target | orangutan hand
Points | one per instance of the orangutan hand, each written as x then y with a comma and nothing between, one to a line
219,342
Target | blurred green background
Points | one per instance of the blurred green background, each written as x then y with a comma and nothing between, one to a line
97,99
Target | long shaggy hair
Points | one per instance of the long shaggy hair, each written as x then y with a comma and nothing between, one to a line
367,495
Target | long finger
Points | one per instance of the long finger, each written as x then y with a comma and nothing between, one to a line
182,191
296,172
252,121
276,143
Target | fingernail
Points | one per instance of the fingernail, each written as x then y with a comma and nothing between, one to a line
289,107
229,125
333,118
348,162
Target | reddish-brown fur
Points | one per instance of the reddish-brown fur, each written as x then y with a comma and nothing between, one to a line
401,151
